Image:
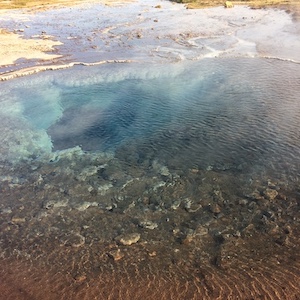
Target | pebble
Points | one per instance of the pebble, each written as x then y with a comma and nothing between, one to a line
55,203
85,205
176,204
188,203
188,239
102,189
17,220
128,239
148,225
243,202
80,278
270,194
116,254
201,231
215,208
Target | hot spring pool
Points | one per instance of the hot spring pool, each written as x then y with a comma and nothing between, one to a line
189,160
235,113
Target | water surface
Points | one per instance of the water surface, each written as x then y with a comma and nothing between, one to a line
230,112
200,160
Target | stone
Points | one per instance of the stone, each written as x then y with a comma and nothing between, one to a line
85,205
116,254
128,239
201,230
255,196
188,238
79,278
176,203
55,203
215,208
270,194
188,203
103,189
243,202
148,225
17,220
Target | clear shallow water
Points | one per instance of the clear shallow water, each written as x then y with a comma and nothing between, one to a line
195,163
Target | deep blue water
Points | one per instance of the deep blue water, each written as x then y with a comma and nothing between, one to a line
225,113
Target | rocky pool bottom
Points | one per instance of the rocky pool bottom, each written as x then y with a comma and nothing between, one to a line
92,226
153,215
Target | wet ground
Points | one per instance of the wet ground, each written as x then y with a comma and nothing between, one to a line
155,32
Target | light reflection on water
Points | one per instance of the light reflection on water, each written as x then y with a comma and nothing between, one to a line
204,151
236,112
221,113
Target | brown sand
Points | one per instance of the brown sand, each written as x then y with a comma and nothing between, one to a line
254,273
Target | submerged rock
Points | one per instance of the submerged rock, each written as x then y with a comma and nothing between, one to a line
87,172
148,225
215,208
128,239
18,220
270,194
115,254
85,205
55,203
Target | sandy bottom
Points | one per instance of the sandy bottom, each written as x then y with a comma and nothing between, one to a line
59,242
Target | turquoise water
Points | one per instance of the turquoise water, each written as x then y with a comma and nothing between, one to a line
198,160
234,116
225,113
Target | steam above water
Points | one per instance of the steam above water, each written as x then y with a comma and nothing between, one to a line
216,112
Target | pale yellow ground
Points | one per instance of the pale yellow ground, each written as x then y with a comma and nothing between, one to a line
14,47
